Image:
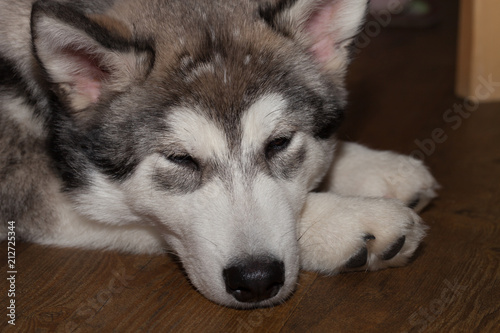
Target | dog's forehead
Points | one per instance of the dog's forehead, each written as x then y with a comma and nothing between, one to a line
227,82
193,129
221,60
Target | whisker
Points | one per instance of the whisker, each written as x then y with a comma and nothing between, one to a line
306,230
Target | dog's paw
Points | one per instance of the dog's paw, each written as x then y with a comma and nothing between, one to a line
388,251
360,171
409,181
350,233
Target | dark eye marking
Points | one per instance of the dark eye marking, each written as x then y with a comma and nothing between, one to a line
184,160
277,145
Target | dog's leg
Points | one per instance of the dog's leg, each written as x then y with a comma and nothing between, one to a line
338,233
360,171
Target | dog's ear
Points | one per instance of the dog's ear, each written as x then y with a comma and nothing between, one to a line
85,56
326,27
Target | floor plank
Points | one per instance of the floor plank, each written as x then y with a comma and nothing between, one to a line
401,90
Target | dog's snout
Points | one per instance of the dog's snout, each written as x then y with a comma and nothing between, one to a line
255,279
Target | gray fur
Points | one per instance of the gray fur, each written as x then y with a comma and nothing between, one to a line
75,144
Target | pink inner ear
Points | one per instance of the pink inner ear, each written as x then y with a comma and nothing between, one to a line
319,28
89,88
86,73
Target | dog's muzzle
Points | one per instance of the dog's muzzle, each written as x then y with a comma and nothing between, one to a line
254,279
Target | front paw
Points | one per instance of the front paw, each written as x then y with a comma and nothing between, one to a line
410,182
360,171
350,233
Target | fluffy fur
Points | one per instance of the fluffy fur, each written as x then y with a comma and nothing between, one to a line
203,127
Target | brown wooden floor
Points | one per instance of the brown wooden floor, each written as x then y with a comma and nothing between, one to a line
402,87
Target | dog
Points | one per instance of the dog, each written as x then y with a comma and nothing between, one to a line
202,127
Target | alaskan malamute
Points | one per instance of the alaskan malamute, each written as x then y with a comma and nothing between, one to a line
202,126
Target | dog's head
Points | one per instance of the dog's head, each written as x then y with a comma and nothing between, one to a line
210,120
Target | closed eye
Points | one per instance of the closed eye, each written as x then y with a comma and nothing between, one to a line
184,160
277,145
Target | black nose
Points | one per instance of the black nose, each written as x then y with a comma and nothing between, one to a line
254,279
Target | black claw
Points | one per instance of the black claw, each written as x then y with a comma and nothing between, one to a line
394,249
414,203
359,259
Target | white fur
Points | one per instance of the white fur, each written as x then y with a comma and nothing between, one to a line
262,120
240,211
333,228
196,134
220,222
76,230
360,171
105,202
223,220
